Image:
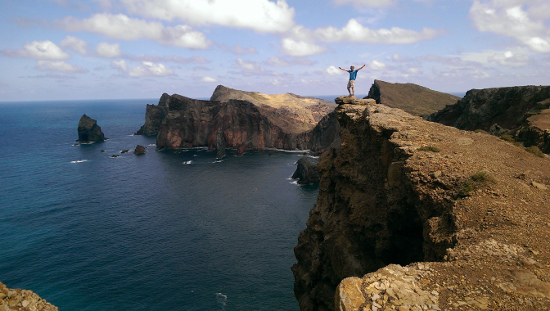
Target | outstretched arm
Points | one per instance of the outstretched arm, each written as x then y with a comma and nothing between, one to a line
361,67
344,69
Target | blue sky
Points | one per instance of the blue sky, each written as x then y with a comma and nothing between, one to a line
110,49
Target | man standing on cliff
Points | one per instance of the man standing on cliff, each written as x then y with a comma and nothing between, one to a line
352,76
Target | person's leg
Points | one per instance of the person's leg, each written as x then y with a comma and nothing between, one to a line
352,84
349,86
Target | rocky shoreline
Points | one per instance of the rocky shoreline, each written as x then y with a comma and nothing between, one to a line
22,300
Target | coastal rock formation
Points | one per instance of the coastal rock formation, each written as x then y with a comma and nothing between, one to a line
241,120
139,150
89,131
412,98
415,215
306,172
154,114
22,300
324,134
522,112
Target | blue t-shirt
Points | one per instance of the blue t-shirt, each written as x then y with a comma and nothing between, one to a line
352,74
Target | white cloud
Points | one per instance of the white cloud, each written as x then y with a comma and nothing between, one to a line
108,50
208,79
75,44
149,69
122,27
376,65
248,65
60,66
355,32
263,16
333,71
285,62
520,20
513,58
40,50
367,3
120,64
299,48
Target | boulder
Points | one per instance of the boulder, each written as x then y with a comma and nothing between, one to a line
139,150
351,100
89,131
306,172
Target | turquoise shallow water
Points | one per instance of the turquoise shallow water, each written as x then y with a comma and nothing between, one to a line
162,231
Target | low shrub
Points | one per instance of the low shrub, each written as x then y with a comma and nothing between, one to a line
476,181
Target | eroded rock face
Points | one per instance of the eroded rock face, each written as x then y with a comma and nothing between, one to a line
401,203
154,114
191,123
89,131
521,111
20,299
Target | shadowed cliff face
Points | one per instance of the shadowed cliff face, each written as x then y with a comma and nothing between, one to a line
520,111
154,114
89,130
417,214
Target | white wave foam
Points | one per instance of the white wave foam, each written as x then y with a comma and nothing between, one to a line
151,145
221,299
187,162
79,161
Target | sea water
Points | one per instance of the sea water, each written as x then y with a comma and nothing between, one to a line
90,228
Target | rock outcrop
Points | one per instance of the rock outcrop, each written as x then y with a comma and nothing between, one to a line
241,120
306,172
154,114
415,215
412,98
522,112
139,150
22,300
89,131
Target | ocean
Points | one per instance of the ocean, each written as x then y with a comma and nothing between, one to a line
171,230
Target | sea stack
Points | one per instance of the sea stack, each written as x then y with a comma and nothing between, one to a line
89,131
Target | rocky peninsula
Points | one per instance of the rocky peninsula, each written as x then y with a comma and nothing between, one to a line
238,120
416,215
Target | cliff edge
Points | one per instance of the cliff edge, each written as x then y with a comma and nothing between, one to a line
415,215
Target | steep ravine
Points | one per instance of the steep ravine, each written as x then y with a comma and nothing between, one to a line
400,195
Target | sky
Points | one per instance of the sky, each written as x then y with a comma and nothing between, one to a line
124,49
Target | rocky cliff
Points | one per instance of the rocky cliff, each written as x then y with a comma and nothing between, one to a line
154,114
242,120
22,300
522,112
412,98
89,131
415,215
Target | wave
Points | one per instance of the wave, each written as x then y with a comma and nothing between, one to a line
79,161
222,300
187,162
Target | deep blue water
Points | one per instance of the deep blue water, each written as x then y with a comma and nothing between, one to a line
160,231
